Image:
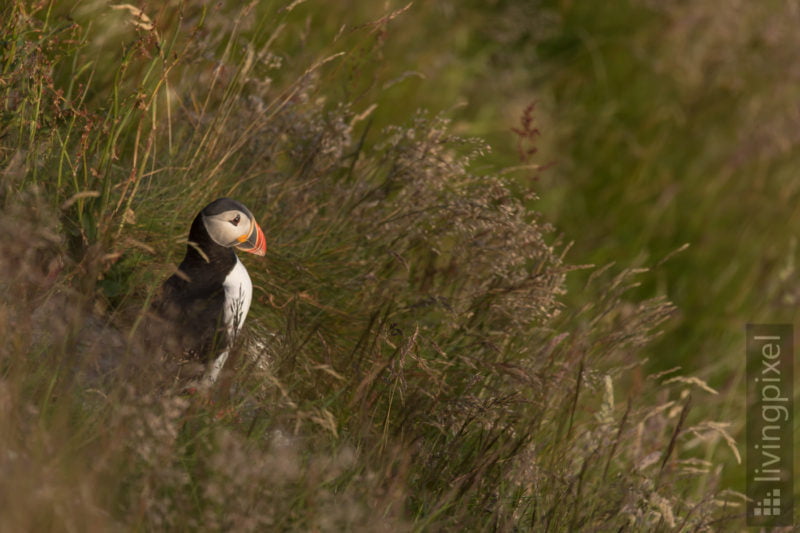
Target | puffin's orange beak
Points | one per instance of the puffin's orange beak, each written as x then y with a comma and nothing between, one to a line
255,243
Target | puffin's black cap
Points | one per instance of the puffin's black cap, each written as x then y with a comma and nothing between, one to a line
221,205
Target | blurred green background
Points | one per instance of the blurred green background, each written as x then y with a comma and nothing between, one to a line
661,124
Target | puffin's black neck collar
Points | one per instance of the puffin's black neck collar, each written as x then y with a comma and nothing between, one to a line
214,253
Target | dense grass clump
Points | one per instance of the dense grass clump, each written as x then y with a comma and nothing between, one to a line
410,364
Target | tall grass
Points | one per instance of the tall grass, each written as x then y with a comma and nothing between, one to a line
410,365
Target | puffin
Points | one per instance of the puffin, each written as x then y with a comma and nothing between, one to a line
205,302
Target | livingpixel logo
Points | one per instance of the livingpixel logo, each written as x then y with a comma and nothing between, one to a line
770,414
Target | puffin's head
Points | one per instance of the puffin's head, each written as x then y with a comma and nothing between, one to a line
232,225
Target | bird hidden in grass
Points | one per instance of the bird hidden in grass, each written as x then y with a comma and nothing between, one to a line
205,303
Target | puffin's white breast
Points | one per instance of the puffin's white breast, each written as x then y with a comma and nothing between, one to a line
238,295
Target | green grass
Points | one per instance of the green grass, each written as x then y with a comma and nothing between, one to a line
423,354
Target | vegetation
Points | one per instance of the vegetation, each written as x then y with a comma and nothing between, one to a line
425,352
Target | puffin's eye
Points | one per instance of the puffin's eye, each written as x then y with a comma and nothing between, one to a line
236,220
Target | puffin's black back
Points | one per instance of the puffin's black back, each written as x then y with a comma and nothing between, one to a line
192,300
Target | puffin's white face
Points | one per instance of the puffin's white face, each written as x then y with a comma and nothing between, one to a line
236,228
